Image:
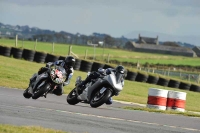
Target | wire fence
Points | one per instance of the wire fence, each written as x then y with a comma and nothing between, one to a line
187,76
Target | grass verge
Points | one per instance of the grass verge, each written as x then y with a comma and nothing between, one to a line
186,113
4,128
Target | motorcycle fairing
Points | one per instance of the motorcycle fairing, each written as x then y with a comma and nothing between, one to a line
112,81
39,78
97,85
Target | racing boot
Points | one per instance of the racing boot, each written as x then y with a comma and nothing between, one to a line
109,101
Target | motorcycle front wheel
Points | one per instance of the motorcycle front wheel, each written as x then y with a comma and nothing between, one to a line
72,97
26,94
99,99
40,91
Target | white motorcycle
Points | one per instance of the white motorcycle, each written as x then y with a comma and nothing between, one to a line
97,92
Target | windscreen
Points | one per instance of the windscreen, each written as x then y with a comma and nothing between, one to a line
119,77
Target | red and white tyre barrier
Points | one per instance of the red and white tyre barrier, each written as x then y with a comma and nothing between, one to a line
157,98
176,101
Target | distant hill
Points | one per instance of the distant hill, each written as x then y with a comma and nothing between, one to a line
24,31
31,33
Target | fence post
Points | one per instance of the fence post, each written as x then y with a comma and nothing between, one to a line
86,53
103,50
69,52
53,47
23,43
35,44
189,77
94,52
16,38
198,79
108,58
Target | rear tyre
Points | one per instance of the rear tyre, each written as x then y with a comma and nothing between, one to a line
99,99
72,97
26,94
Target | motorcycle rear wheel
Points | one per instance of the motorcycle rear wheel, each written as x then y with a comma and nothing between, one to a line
99,99
72,97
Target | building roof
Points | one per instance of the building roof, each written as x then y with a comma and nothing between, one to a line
162,48
196,47
147,40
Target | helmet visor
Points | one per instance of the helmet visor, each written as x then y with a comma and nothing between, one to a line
119,77
69,64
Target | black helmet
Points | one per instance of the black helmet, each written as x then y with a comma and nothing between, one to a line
119,72
69,61
120,69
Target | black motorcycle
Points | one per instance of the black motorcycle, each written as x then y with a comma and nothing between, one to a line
46,82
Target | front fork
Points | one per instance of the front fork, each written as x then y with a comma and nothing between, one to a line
103,89
50,90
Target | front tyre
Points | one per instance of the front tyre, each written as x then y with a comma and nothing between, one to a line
40,91
72,97
26,94
99,99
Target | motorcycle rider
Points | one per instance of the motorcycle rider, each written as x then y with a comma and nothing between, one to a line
67,64
102,72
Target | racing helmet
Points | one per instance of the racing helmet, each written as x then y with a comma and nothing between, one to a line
69,61
119,73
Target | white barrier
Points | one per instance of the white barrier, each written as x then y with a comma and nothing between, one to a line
157,98
166,100
176,101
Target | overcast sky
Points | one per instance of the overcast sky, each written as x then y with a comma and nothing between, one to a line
113,17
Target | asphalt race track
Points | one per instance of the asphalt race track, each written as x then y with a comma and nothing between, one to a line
54,112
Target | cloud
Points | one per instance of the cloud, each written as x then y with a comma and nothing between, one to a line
167,7
66,2
184,3
37,2
114,17
182,7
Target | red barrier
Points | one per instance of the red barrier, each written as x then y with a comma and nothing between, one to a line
157,99
176,101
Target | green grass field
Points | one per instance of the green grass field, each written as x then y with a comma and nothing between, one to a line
15,73
115,54
26,129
